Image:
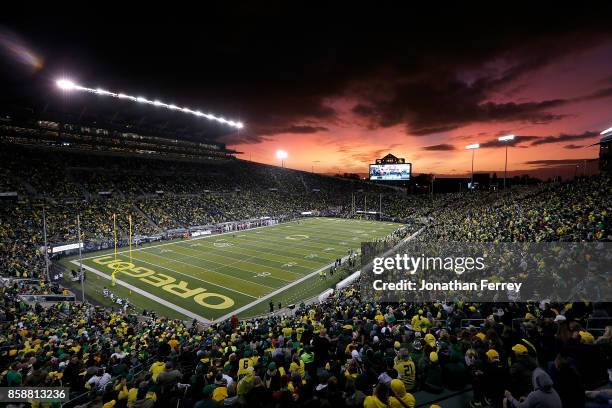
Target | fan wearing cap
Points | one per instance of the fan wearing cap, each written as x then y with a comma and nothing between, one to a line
430,342
431,373
420,322
520,371
493,380
272,378
207,401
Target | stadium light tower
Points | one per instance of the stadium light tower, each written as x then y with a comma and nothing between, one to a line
65,84
506,140
473,148
281,155
69,86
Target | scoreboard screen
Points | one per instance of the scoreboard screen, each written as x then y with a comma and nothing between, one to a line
391,172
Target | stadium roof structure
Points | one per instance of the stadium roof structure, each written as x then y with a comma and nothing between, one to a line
45,101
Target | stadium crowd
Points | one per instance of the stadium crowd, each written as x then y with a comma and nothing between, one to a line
346,351
343,352
98,186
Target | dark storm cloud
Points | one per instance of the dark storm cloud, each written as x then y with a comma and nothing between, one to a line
253,63
556,162
436,105
301,129
443,147
493,143
564,138
573,146
602,93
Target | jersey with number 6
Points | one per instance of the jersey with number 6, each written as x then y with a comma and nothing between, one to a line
243,365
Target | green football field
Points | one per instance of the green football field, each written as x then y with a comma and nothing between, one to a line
215,276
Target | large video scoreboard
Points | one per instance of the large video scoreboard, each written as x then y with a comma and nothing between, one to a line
391,172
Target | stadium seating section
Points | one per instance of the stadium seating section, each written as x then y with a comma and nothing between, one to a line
346,351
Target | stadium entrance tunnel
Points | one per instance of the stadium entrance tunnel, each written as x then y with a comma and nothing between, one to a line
200,295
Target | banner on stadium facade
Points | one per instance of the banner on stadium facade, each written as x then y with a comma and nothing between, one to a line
199,233
67,247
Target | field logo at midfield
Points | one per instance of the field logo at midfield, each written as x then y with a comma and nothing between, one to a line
297,237
167,283
222,243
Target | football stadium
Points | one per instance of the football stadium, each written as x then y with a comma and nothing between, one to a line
400,219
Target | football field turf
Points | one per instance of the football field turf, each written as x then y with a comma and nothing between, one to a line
214,276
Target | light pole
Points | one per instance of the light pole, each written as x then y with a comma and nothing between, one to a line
47,277
433,178
313,162
281,155
81,260
506,140
473,148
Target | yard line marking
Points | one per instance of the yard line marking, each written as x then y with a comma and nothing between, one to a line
276,292
146,294
222,265
275,258
243,260
191,239
310,275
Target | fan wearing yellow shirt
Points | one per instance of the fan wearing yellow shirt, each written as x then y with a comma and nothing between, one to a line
156,369
297,365
173,343
406,369
379,317
420,322
298,333
399,398
244,364
287,332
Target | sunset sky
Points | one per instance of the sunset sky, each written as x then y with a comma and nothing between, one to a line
337,91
